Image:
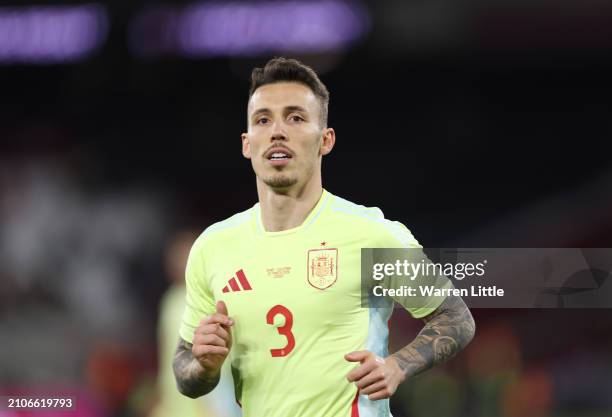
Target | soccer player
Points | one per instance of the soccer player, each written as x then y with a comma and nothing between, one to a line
276,289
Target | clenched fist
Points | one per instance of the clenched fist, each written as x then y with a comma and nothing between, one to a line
212,340
375,377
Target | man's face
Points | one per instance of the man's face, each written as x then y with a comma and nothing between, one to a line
285,140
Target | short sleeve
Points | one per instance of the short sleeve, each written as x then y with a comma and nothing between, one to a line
199,298
399,236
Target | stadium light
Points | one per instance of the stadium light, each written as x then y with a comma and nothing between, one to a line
248,28
51,34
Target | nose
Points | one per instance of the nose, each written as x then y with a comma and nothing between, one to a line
278,133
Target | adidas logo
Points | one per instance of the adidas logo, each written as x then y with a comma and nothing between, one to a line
233,284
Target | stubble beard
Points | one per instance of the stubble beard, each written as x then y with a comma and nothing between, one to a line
280,181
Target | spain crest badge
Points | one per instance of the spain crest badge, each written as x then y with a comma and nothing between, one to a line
322,267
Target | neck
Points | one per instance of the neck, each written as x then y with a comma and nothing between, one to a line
286,209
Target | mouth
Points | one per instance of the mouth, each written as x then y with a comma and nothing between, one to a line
278,156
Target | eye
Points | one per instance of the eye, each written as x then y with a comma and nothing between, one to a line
262,121
296,118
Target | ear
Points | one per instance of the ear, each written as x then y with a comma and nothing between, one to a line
328,142
246,146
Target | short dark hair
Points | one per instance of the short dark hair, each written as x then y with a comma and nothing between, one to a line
291,70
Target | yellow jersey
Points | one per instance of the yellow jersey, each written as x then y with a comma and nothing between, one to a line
295,297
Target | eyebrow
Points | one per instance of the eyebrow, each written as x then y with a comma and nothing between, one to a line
287,109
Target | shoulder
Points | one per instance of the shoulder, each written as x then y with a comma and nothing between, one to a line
218,236
371,220
224,229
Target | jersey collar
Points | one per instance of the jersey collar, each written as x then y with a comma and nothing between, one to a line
312,216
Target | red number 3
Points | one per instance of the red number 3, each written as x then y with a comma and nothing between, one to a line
284,330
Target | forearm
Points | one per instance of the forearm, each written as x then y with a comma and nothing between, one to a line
191,378
447,331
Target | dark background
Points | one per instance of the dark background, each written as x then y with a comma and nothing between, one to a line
476,124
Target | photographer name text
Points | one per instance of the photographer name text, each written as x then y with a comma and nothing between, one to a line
432,291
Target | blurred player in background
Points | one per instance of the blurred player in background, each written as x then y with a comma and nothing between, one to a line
170,402
277,288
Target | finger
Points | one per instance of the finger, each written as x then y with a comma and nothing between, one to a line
222,308
380,395
209,339
361,371
200,351
357,356
371,389
374,376
215,328
218,318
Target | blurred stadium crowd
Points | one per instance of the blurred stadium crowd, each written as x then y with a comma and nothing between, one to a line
474,123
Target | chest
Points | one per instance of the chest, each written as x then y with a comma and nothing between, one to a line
311,278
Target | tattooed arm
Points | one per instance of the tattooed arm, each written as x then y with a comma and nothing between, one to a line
191,378
447,330
197,367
